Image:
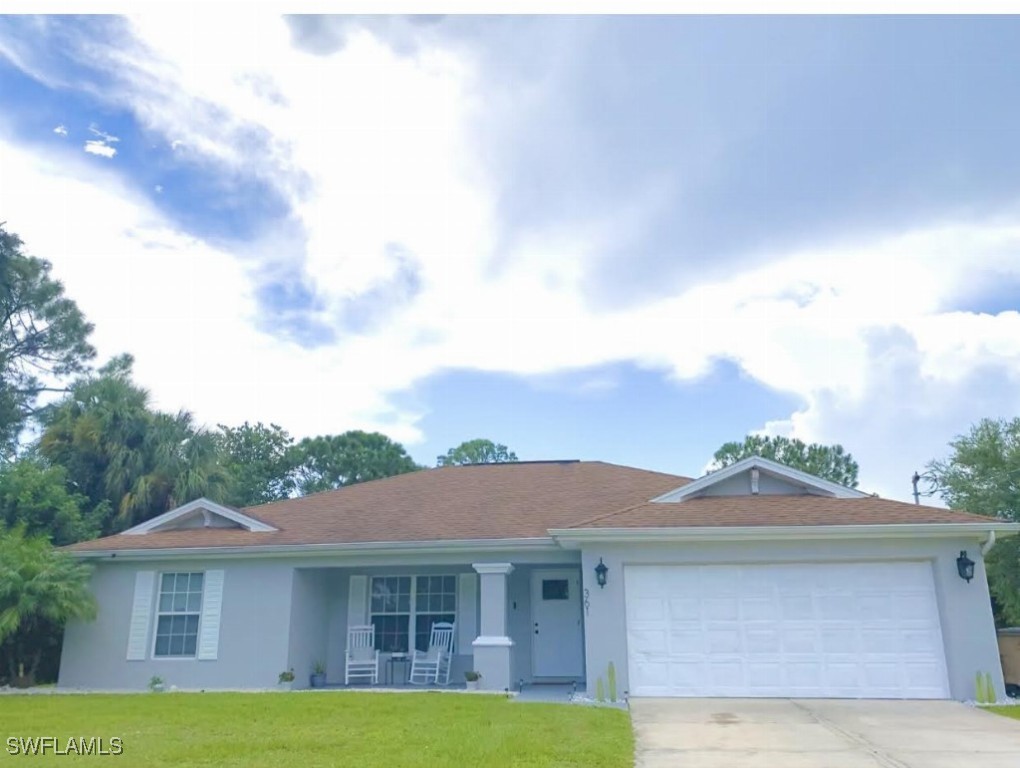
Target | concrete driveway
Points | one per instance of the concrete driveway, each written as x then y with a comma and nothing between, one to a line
820,733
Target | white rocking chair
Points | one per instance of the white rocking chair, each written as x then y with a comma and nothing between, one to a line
433,665
361,660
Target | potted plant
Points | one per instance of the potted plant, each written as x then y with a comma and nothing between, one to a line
156,684
286,681
471,679
318,678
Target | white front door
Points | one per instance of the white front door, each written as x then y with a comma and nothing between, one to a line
557,642
834,630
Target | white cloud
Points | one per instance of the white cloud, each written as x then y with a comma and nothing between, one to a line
60,130
370,148
103,145
101,148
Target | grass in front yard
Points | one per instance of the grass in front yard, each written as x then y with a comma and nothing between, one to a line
1013,712
326,729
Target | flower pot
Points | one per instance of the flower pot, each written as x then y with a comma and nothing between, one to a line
318,681
471,685
285,686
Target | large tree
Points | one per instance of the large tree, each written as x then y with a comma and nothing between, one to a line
478,451
35,495
982,475
40,590
43,336
131,461
333,461
260,460
830,462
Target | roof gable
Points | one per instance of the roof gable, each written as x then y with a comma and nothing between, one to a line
200,513
763,477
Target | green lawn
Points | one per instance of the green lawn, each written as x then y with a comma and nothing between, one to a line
332,728
1013,712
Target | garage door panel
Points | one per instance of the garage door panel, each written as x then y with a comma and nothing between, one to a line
837,605
721,608
691,641
758,609
726,673
913,605
648,609
800,640
797,607
878,607
681,608
724,641
919,640
649,643
766,674
761,642
842,630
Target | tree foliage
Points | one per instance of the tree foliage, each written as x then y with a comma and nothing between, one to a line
40,590
982,475
260,461
333,461
35,495
830,462
43,336
130,461
478,451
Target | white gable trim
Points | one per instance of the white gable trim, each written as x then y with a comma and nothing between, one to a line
825,487
573,538
205,506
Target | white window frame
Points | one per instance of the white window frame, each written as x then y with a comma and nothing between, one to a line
412,612
157,613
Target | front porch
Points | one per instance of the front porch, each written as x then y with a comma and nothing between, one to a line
518,624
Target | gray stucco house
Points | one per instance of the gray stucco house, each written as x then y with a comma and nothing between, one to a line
756,580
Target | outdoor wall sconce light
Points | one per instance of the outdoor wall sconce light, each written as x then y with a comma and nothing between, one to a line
600,573
965,566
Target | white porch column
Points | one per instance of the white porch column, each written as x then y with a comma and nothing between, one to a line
493,644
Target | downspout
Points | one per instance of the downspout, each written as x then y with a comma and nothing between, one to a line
988,544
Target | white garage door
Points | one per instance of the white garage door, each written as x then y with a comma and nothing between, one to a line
848,630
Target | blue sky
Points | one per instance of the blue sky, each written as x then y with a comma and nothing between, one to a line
627,238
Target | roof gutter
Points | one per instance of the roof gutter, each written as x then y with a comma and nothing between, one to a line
986,547
457,546
572,538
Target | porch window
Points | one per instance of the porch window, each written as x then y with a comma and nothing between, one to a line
180,604
404,608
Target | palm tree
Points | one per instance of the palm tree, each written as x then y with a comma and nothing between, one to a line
180,463
40,590
132,462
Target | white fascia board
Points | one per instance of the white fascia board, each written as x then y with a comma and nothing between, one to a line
571,538
199,504
500,569
773,468
452,546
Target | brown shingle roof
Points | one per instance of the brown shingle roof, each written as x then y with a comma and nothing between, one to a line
779,510
487,501
521,500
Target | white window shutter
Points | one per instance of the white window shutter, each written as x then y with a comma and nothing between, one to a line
141,616
212,606
357,601
467,610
